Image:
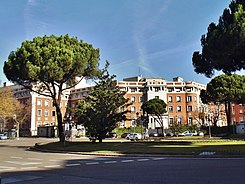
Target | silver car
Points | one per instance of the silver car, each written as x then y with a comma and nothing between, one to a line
3,137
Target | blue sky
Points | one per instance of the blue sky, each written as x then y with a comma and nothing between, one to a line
154,38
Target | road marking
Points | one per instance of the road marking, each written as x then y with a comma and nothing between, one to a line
70,165
110,162
53,160
17,157
101,159
6,168
143,159
52,166
23,163
92,163
28,168
158,158
34,159
125,161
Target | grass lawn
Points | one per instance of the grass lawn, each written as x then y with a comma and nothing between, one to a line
164,146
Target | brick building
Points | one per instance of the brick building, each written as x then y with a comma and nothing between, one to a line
182,99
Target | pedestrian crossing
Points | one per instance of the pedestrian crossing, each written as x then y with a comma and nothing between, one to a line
14,163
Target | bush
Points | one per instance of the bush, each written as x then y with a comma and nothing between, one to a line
120,131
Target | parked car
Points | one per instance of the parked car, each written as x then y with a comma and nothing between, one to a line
3,136
133,136
186,133
124,135
170,134
111,135
153,135
200,133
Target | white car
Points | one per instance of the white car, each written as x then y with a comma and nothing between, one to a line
133,136
3,137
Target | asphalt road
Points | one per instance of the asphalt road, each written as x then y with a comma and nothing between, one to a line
20,165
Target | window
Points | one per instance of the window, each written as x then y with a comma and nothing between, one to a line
38,123
133,109
46,103
170,99
178,108
178,89
189,108
189,98
190,121
46,112
133,98
39,112
141,99
178,98
133,89
133,122
171,121
53,113
72,104
157,89
170,89
170,108
39,102
179,120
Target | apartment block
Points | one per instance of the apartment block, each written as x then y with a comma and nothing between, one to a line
182,98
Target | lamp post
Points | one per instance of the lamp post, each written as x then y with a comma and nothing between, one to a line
17,127
209,125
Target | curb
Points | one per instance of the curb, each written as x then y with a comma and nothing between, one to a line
204,155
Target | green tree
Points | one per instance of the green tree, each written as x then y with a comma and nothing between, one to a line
155,107
226,89
224,44
53,64
103,108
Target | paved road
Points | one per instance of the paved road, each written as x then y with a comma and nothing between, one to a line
20,165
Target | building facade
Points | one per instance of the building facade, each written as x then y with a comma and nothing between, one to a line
182,98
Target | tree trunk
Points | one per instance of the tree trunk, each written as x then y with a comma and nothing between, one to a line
60,126
228,115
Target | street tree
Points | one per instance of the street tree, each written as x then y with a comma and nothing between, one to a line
103,108
156,108
22,116
8,101
8,105
52,64
226,89
224,43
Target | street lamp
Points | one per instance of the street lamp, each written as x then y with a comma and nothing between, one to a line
17,127
209,123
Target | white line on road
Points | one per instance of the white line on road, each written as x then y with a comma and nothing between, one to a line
70,165
23,163
52,166
110,162
158,158
6,168
92,163
17,157
143,159
53,160
34,159
125,161
28,168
